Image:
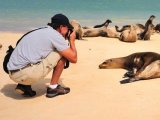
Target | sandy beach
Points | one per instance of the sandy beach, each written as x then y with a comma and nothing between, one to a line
96,94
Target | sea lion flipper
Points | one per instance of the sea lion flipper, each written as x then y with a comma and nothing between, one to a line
129,74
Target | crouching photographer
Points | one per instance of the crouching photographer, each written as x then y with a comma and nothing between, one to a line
41,51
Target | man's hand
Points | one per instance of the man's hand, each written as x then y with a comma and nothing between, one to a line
70,53
72,36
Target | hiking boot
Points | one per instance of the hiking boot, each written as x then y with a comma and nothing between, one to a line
25,90
59,90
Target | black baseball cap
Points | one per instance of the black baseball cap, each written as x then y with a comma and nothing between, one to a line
62,20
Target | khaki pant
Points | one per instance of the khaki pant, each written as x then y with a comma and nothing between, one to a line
33,73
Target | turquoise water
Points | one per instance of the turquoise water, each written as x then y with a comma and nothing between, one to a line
23,15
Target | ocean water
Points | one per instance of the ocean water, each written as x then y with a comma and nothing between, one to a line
24,15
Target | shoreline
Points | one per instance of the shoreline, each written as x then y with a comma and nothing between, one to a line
23,28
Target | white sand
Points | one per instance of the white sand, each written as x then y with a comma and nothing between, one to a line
96,94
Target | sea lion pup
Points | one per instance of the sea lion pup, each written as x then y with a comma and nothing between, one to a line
77,28
101,25
95,32
128,33
134,63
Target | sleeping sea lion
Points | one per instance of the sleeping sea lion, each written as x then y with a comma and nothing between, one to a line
128,33
134,63
139,28
95,32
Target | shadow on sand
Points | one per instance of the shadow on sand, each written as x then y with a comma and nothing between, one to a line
40,88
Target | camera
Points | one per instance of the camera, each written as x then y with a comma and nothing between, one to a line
68,34
68,38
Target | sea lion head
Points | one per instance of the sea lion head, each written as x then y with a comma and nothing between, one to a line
107,64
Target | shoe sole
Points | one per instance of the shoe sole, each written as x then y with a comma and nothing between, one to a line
19,91
51,95
56,94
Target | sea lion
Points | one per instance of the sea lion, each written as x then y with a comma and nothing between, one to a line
149,28
144,32
92,32
103,31
139,28
134,63
146,35
78,29
110,32
128,33
150,20
98,26
103,24
157,28
151,71
125,27
95,32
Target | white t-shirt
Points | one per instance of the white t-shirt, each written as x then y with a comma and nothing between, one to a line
35,46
